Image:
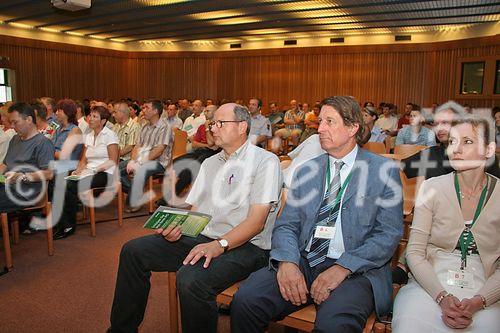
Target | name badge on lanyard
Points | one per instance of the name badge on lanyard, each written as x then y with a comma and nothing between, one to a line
460,278
324,232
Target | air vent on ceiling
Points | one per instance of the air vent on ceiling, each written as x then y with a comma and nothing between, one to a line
337,40
235,46
401,38
290,42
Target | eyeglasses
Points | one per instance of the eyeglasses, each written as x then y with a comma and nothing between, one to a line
219,123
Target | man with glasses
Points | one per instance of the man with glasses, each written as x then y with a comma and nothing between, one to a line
240,188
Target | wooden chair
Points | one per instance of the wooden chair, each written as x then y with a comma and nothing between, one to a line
91,204
46,207
390,141
407,150
302,319
375,147
179,146
410,190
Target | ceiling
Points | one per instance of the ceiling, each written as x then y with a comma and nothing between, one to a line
232,20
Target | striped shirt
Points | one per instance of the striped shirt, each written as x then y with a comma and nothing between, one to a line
154,135
290,115
127,135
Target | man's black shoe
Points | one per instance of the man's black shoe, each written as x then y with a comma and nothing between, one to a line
63,233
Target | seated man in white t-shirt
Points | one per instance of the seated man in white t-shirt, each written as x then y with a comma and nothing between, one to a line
95,168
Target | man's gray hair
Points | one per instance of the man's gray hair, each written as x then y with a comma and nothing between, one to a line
241,113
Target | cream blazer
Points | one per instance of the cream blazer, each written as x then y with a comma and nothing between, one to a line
437,225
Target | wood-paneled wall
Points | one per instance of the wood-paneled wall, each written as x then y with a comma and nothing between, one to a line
420,73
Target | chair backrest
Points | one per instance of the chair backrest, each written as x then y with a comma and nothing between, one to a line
410,190
180,143
390,141
407,150
375,147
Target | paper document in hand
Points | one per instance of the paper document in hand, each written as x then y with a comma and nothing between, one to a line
191,223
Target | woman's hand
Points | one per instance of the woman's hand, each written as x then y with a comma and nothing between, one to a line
452,313
472,305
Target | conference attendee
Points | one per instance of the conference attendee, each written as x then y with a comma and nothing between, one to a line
311,123
82,114
434,161
184,109
50,105
294,124
416,133
333,242
405,119
41,120
370,117
387,121
453,251
126,129
7,132
26,163
135,110
275,116
67,126
97,164
261,126
240,188
151,154
194,121
171,115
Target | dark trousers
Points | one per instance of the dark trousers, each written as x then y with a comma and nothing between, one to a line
187,167
259,301
70,207
12,198
197,286
139,180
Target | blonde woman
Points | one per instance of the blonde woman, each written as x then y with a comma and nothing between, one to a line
454,248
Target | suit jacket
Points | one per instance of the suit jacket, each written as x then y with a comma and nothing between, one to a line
371,231
437,226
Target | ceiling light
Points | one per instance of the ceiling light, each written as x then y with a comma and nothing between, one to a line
217,14
21,25
74,33
152,3
49,29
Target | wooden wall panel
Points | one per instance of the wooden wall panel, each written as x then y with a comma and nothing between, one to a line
398,73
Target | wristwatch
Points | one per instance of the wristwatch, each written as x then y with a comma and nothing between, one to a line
223,243
24,178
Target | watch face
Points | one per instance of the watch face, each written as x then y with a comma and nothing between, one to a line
223,242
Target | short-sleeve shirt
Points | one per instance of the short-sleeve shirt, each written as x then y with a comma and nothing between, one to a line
191,124
425,137
291,114
226,187
377,135
24,155
127,135
97,148
387,123
155,135
201,134
311,116
260,126
174,122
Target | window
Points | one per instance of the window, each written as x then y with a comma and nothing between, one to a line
5,89
472,78
497,78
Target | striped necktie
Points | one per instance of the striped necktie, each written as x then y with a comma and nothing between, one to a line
327,216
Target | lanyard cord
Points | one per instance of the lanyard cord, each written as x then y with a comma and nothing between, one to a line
465,242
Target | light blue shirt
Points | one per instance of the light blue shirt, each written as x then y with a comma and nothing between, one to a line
425,137
377,135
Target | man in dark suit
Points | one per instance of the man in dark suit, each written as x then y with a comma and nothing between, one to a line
333,243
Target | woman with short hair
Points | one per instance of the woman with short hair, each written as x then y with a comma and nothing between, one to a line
453,252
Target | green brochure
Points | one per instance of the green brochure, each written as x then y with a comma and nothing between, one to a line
2,179
192,223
